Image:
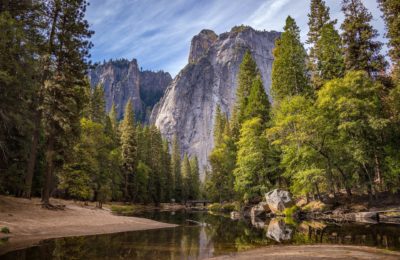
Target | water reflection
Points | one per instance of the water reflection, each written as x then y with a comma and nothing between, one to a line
221,235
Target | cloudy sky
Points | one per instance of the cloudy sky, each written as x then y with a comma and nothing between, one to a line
158,32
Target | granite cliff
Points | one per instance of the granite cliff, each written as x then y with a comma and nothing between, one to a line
124,80
188,106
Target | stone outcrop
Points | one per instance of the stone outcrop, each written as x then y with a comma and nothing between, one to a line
124,80
210,79
278,200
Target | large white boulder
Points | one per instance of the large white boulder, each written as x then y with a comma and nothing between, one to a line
278,200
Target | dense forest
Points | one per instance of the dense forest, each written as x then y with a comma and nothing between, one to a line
333,126
55,136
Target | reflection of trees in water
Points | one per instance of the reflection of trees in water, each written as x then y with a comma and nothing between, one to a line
222,236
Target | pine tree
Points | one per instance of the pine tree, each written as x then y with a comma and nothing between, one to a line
128,148
97,105
251,173
219,125
113,117
328,49
186,178
361,51
247,73
167,173
317,19
258,104
195,178
176,169
63,82
391,10
289,70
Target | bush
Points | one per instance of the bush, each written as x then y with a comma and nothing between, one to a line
225,207
289,212
5,230
122,209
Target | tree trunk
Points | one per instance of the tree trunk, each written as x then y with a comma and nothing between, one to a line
32,157
49,171
38,116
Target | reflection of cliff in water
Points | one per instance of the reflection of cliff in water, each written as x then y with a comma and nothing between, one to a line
220,236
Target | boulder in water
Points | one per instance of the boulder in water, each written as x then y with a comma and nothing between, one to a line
278,230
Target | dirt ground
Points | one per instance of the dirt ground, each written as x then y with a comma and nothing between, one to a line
312,252
29,222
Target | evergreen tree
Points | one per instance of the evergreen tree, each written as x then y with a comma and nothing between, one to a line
247,73
167,173
317,19
391,10
328,50
128,148
176,169
258,104
97,106
251,173
289,70
219,124
360,49
195,178
219,182
63,82
113,117
186,178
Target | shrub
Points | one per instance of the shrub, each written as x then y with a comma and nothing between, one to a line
122,209
289,212
5,230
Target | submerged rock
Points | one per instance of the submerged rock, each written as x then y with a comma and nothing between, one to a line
278,200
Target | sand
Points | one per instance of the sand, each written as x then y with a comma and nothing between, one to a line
312,252
29,223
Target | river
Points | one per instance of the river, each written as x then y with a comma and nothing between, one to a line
202,235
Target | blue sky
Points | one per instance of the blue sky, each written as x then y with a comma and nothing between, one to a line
158,32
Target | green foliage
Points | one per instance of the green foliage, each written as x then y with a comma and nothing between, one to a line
252,176
360,49
176,169
289,70
290,212
247,73
5,230
258,104
123,209
391,10
224,207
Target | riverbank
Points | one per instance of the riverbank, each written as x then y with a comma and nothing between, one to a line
312,252
29,223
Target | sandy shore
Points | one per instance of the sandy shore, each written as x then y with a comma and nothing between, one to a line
312,252
29,223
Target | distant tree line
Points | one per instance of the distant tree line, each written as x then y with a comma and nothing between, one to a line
334,122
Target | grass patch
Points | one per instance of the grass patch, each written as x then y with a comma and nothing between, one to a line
289,212
225,207
315,206
123,209
5,230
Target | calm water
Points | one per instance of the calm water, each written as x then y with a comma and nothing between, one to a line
216,235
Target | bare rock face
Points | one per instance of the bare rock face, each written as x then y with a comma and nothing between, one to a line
123,80
200,45
188,107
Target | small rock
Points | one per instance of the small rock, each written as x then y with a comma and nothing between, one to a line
235,215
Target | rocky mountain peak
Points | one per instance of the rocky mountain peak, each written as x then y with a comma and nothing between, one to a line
123,80
210,79
200,44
